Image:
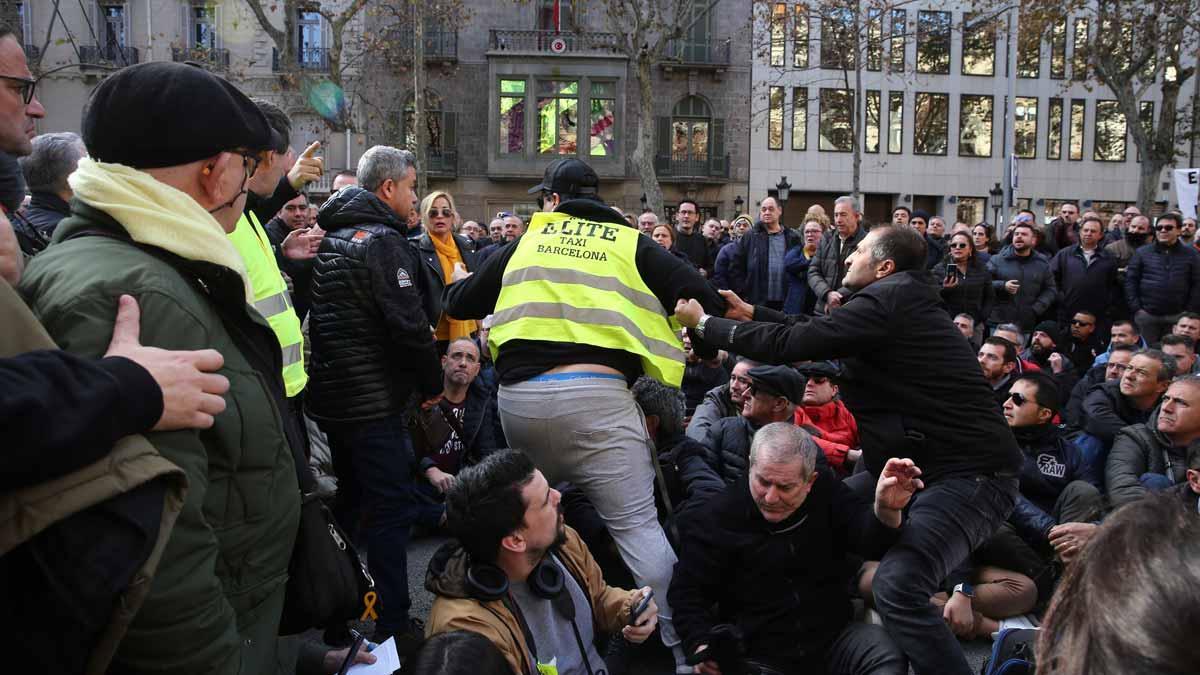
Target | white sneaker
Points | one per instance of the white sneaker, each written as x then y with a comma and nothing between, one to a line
1023,621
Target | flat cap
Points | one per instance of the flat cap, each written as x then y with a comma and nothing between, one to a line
162,113
779,381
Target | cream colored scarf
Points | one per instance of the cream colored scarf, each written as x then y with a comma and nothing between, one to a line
156,214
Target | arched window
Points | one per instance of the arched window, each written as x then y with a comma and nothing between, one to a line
691,126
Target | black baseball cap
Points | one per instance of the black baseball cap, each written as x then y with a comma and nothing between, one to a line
568,177
162,113
779,381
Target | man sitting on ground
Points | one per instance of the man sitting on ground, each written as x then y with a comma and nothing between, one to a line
1084,344
767,560
823,410
723,401
1153,456
1111,407
1045,351
998,359
1123,332
1118,362
1188,324
1183,348
518,576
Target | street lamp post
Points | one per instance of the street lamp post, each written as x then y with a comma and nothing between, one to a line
783,189
738,202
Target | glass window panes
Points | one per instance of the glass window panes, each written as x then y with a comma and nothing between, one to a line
971,210
933,42
873,101
113,27
895,122
558,116
1146,118
874,40
778,41
203,32
931,123
1029,50
1025,127
837,39
896,48
775,120
512,116
691,124
1079,47
603,119
1054,130
1109,144
975,126
837,121
800,36
799,118
979,45
1058,49
1075,140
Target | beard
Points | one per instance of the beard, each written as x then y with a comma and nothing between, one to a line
1135,239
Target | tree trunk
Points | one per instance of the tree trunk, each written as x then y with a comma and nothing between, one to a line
419,75
859,108
643,151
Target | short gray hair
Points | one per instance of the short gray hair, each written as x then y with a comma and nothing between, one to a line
966,316
785,442
381,162
650,214
656,398
847,199
54,157
1168,366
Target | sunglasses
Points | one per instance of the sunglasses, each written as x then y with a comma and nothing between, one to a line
1018,399
446,213
26,89
958,245
1076,322
1164,228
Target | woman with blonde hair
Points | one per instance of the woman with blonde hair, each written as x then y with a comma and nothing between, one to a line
445,257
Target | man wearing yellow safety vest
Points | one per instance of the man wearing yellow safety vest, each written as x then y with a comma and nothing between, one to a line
268,190
582,306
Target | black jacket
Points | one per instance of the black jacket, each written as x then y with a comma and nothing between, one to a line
728,448
1084,287
478,419
432,282
935,251
1106,411
827,268
44,212
695,247
667,276
1163,280
371,343
749,265
909,376
784,585
972,296
1036,294
1093,378
1139,449
1083,354
1051,461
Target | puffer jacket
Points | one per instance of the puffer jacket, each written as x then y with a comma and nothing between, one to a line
1106,411
749,264
216,601
501,621
432,282
1083,287
1162,280
1051,462
371,341
1139,449
827,268
728,446
836,431
1036,294
716,405
972,296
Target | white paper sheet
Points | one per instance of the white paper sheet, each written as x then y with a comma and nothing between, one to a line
386,661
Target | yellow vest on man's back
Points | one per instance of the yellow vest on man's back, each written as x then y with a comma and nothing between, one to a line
574,280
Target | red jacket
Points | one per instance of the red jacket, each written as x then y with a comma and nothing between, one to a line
839,430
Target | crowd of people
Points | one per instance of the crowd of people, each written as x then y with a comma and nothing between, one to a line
841,447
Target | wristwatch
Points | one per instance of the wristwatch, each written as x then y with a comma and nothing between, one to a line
700,325
966,589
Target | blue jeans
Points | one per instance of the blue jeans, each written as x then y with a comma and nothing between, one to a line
944,523
379,457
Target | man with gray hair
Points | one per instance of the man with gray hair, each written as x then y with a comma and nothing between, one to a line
769,554
828,266
54,157
373,351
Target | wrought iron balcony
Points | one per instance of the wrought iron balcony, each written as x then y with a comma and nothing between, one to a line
692,168
443,162
307,58
107,55
551,42
211,57
706,55
441,45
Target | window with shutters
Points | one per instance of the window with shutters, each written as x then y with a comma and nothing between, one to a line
691,142
442,147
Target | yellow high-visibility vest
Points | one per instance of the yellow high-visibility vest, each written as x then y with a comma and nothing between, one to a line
574,280
271,298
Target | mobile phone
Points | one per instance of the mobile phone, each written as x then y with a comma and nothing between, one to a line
641,607
951,272
354,647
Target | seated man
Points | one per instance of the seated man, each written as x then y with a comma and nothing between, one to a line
1084,343
1123,332
1012,333
454,433
1113,406
822,409
771,397
518,576
1153,456
1118,362
1187,324
1183,348
723,401
998,359
965,323
701,375
1189,491
769,559
1046,351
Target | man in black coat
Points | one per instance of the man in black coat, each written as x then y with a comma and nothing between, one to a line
1086,277
908,405
768,556
828,267
756,269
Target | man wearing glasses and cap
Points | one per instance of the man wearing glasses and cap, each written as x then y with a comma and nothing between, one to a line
1162,280
582,304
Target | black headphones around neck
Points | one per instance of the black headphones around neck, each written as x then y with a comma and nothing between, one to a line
486,581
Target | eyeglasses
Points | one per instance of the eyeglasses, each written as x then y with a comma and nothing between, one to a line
446,213
250,161
27,86
959,245
1118,367
1077,322
1164,228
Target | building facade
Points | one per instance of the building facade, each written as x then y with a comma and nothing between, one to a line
509,88
933,114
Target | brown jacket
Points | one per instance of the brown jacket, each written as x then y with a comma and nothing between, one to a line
455,609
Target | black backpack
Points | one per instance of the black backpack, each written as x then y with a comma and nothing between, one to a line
1012,653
